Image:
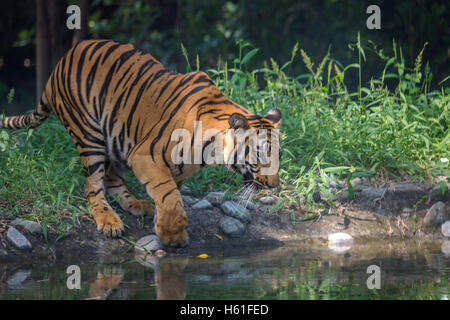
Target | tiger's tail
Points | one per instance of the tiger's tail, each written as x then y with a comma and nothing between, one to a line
31,120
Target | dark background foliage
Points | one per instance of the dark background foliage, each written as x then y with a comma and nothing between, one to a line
210,29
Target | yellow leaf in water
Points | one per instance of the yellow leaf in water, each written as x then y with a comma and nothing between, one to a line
203,256
218,236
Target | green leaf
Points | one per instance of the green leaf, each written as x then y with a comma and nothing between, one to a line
353,65
351,193
443,187
10,96
293,220
44,230
310,216
249,55
390,61
58,200
4,135
278,204
336,169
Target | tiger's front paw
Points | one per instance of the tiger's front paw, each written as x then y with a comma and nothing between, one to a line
172,232
109,222
179,239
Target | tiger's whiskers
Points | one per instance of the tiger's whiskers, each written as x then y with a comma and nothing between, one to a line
247,193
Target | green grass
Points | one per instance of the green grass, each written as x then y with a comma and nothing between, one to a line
394,127
41,175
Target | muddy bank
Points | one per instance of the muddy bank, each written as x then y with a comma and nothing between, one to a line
400,211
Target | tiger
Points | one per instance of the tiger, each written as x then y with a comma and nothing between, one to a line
120,105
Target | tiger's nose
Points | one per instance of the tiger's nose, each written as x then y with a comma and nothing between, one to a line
273,181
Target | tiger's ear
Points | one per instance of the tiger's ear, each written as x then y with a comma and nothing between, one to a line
238,121
274,115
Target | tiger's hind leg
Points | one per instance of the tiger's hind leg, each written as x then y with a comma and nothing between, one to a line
116,188
107,220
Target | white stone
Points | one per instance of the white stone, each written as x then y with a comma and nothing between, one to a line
445,228
339,237
148,244
445,248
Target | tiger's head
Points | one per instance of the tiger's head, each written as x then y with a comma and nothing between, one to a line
260,145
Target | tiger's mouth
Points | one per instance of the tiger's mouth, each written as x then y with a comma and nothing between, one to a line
249,180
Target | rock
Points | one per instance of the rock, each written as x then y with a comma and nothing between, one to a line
407,188
333,190
231,227
317,197
445,248
18,277
341,195
3,253
267,200
436,193
249,205
445,229
339,237
373,193
17,239
237,211
356,181
185,190
148,244
189,201
436,215
357,184
215,198
202,204
31,226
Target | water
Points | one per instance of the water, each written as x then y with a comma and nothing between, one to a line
408,271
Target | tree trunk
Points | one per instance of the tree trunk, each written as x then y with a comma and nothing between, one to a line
82,33
56,11
42,48
53,38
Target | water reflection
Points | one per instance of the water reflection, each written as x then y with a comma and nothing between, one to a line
108,279
409,271
169,279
